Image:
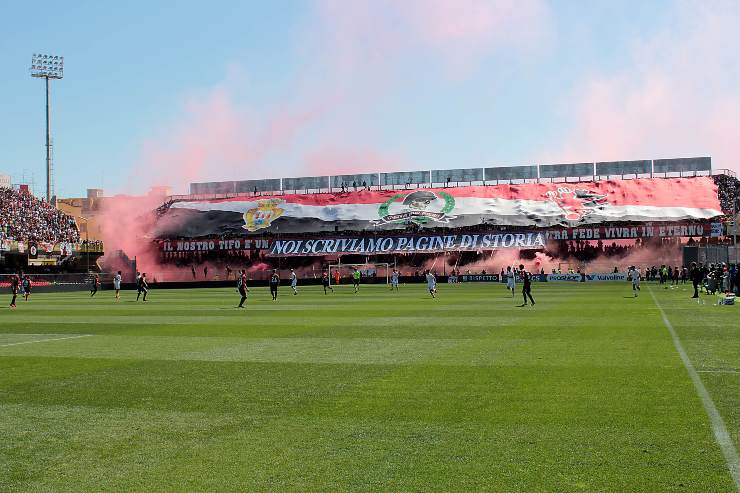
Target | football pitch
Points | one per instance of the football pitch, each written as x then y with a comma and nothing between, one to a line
378,391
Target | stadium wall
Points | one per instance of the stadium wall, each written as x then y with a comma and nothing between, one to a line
566,172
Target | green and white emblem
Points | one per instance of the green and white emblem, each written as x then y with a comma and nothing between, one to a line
419,207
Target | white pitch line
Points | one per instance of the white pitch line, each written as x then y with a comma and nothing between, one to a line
45,340
715,418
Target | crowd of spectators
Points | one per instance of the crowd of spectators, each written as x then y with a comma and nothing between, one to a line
728,192
23,217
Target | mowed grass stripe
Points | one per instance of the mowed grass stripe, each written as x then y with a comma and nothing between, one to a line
493,351
486,395
230,452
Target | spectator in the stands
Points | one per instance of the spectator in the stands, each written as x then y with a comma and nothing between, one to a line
23,217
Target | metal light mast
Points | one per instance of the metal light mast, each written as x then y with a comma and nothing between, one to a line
48,67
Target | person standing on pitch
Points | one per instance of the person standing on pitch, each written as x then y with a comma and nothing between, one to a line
634,275
356,279
526,285
394,280
241,285
293,282
697,276
431,283
325,282
274,283
138,286
117,285
26,287
94,285
510,280
144,286
15,282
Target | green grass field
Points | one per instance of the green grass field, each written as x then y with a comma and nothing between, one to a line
371,392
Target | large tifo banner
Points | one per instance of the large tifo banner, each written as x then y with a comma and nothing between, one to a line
526,205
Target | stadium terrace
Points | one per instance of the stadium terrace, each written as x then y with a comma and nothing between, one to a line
576,212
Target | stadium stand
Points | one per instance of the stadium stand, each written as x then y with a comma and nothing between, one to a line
627,181
24,217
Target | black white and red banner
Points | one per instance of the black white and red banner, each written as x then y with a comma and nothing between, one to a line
387,242
541,205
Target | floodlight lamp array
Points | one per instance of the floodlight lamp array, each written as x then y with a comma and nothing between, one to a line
49,66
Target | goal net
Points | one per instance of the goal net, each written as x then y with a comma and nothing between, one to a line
380,273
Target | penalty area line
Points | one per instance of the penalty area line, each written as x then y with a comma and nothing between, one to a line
45,340
715,418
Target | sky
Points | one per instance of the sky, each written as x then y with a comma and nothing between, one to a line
167,93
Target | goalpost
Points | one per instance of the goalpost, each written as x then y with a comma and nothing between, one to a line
379,270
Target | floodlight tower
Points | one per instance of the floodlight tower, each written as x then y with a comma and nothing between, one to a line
48,67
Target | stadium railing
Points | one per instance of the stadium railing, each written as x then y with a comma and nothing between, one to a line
451,184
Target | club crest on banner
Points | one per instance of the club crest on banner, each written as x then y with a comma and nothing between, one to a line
576,203
263,215
420,207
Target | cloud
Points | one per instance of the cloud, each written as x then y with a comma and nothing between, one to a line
459,34
677,97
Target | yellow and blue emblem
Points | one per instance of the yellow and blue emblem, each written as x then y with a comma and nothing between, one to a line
261,217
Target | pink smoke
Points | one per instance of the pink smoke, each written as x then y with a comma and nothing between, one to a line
125,221
489,261
492,262
457,33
